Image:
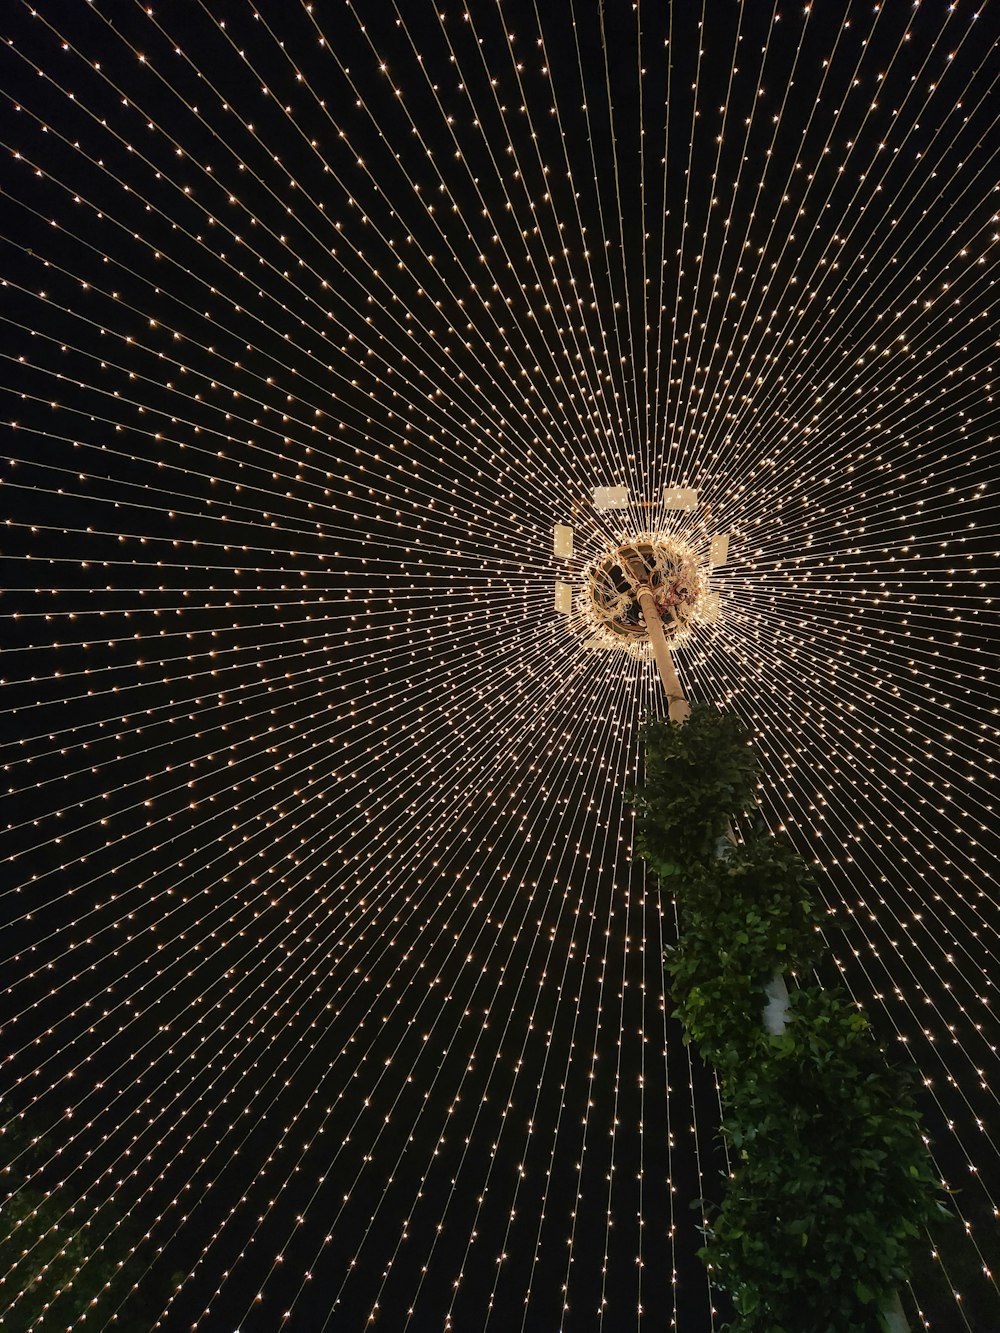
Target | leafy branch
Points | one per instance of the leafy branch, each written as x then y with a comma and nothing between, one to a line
831,1178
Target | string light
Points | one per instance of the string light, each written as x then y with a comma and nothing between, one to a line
334,997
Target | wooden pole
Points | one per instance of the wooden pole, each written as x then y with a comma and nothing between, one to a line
892,1313
677,706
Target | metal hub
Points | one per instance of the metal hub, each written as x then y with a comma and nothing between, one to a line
673,572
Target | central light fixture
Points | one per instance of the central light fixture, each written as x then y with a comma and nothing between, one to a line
609,605
656,574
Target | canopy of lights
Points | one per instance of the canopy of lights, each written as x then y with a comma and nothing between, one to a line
334,997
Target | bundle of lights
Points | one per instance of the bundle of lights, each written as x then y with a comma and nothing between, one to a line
334,996
609,613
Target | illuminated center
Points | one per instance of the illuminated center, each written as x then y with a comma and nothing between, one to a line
674,574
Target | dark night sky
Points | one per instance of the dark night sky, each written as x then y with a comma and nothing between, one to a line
332,989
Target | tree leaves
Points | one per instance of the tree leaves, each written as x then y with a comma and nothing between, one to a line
831,1179
699,776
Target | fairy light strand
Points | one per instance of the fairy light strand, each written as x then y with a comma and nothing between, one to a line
334,994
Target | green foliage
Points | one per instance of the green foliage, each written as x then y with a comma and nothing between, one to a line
744,916
67,1258
62,1264
831,1179
699,776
